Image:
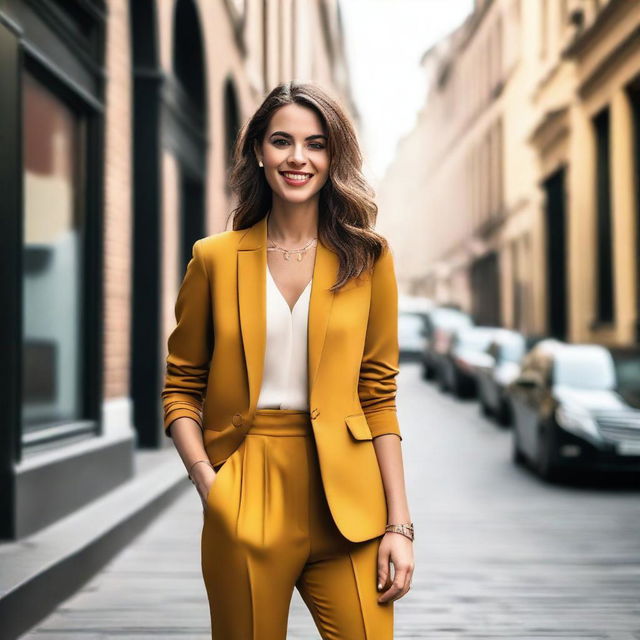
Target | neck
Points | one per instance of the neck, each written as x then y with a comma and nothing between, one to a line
292,223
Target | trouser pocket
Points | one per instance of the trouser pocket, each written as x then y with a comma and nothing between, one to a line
220,473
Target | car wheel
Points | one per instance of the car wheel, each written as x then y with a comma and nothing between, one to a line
442,382
517,456
504,413
484,409
426,371
545,464
458,387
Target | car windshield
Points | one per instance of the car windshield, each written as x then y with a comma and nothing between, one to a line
587,367
476,340
450,318
512,351
410,323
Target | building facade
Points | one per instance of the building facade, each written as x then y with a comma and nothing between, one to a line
586,140
526,203
118,119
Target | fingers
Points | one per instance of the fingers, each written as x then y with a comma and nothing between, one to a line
398,586
407,582
383,567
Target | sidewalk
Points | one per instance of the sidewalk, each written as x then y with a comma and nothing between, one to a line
153,586
40,571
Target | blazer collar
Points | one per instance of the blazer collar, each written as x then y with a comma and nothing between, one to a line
251,286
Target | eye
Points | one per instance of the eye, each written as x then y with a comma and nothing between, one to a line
318,146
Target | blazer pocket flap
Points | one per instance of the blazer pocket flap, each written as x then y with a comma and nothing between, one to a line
358,426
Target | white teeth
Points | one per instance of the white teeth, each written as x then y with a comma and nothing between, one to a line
296,176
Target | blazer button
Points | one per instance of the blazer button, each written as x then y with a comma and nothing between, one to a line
237,420
314,414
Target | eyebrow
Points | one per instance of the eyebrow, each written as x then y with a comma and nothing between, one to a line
288,135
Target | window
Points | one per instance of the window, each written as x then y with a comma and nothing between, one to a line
603,231
53,250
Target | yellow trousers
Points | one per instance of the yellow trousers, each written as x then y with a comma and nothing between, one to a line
267,529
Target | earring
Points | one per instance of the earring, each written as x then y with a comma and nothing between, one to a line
260,163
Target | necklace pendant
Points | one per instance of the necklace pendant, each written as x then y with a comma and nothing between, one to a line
299,257
286,255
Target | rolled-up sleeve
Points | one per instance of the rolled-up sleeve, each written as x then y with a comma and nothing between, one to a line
189,346
377,384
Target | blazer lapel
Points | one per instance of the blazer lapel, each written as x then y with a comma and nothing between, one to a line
251,287
325,271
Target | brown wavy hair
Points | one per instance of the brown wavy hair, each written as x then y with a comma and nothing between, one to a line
347,210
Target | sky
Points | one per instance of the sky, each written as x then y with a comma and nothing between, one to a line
385,40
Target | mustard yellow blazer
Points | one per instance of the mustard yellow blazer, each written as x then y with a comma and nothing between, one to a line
215,363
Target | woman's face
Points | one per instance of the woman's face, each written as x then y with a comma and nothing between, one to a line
295,141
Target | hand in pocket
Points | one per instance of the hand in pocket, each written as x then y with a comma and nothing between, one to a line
205,489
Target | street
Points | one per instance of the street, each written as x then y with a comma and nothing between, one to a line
499,554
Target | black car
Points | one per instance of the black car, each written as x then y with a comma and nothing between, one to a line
440,323
626,360
506,351
466,352
571,412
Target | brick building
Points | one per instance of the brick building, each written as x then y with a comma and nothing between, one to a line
117,120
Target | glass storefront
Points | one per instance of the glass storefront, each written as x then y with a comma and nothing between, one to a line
52,257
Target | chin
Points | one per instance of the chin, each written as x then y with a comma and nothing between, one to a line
297,198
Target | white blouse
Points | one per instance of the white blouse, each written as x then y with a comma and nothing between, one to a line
284,381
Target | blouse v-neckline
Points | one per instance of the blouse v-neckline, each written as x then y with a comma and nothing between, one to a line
275,285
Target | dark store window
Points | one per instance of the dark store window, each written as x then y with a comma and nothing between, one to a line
52,279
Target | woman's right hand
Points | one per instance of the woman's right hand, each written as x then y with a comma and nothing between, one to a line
204,481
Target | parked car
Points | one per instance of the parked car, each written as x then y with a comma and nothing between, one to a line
570,412
440,323
467,351
626,360
411,335
507,349
416,304
413,313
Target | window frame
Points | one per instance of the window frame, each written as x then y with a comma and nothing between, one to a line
79,83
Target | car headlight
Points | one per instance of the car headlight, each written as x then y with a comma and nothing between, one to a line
577,420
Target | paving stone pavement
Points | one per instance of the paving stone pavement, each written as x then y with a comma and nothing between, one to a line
499,554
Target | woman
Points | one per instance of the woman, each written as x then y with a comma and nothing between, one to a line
281,381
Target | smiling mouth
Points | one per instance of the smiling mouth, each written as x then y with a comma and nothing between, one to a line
297,177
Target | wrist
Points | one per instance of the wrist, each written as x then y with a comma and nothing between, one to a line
199,470
203,480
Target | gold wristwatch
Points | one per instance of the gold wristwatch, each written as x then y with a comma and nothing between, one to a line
406,529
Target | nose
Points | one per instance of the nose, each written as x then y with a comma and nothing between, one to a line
297,155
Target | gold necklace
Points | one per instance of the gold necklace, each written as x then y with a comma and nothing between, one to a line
286,253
